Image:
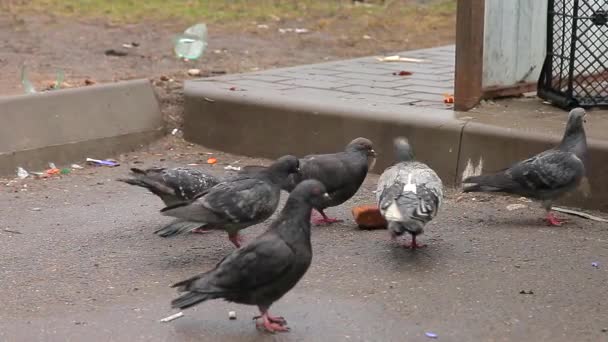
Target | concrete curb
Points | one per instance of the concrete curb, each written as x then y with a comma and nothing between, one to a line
68,125
258,124
481,141
261,123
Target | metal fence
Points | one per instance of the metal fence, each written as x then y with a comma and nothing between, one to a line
574,72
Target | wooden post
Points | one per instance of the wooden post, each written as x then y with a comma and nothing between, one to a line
469,54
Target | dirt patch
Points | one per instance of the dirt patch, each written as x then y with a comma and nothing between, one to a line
46,42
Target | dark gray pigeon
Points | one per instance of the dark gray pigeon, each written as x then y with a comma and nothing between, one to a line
342,173
234,204
546,176
267,268
409,194
173,186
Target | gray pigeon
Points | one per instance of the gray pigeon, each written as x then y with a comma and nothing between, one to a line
546,176
173,186
267,268
342,173
234,204
409,194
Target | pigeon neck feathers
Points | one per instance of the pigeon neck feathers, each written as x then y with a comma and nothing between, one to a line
574,139
403,151
281,169
296,210
360,145
294,219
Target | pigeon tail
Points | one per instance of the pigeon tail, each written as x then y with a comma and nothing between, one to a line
193,297
488,183
190,299
178,227
143,180
411,226
179,205
133,181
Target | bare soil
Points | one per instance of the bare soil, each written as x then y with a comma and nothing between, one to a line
77,46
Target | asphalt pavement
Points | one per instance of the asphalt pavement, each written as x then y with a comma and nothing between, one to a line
79,262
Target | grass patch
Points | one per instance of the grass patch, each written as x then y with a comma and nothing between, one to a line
221,12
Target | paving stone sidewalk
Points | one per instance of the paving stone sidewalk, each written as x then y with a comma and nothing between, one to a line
362,79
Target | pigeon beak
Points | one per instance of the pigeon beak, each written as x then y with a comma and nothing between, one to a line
372,153
326,196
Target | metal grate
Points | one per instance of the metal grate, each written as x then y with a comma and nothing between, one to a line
574,72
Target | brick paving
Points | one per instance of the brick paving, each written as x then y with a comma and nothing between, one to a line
363,79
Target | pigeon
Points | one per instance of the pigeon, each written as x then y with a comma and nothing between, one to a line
267,268
234,204
342,173
409,194
546,176
173,186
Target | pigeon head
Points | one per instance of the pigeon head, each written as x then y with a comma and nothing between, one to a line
311,191
403,150
576,118
285,165
361,145
574,135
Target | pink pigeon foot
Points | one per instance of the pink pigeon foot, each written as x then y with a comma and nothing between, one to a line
324,219
236,239
273,319
272,324
553,221
412,245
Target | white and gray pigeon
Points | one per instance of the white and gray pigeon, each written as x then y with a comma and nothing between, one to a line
234,204
267,268
342,173
547,175
409,194
172,185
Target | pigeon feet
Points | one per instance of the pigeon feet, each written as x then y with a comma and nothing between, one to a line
553,221
324,219
413,245
236,239
273,319
277,319
272,324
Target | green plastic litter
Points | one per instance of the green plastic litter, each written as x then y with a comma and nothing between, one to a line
58,79
65,171
29,87
192,43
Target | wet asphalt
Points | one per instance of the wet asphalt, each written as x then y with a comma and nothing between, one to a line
79,262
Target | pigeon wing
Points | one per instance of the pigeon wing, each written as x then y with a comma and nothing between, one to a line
258,264
238,201
548,171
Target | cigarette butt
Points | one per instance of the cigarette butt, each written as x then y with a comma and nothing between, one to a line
172,317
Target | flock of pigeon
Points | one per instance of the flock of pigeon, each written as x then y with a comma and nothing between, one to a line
409,195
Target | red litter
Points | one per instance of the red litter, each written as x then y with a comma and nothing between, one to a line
403,73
